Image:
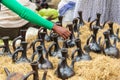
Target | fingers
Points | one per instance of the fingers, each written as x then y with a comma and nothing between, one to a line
63,32
66,34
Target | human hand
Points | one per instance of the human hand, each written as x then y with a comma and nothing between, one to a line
63,32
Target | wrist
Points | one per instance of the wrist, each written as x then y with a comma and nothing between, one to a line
54,27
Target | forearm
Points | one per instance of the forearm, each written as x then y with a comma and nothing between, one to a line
27,14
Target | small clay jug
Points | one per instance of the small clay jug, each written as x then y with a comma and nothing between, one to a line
81,21
75,25
56,52
65,44
92,42
5,47
33,45
41,39
44,63
81,55
47,37
23,50
71,40
17,76
21,37
97,22
112,34
34,66
110,50
59,23
42,43
64,71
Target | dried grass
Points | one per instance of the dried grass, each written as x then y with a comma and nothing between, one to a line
99,68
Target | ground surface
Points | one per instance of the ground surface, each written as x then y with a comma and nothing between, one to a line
99,68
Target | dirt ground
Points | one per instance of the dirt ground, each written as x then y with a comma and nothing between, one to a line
101,67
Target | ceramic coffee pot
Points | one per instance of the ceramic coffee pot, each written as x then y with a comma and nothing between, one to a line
64,71
16,75
21,37
5,47
71,40
81,55
110,49
54,48
44,63
23,51
92,42
112,34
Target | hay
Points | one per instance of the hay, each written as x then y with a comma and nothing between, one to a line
99,68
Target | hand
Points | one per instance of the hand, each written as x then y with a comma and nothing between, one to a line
63,32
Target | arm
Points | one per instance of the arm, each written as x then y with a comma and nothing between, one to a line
27,14
33,17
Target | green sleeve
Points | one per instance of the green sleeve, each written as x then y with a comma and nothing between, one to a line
27,14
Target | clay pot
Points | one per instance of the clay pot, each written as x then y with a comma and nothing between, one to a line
75,25
81,21
56,52
34,66
21,37
71,40
81,55
112,34
92,42
65,44
41,39
63,70
110,50
16,75
47,37
44,63
5,47
23,50
59,23
97,22
20,76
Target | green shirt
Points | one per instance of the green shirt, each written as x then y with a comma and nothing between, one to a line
27,14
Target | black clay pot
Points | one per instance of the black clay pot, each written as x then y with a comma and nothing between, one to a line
22,50
16,75
44,63
47,37
34,66
112,34
92,42
80,54
5,47
110,50
59,23
21,37
75,25
41,39
63,70
56,52
97,22
65,44
81,21
71,40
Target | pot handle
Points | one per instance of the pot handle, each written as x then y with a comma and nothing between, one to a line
73,53
50,48
15,54
29,74
7,71
33,46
